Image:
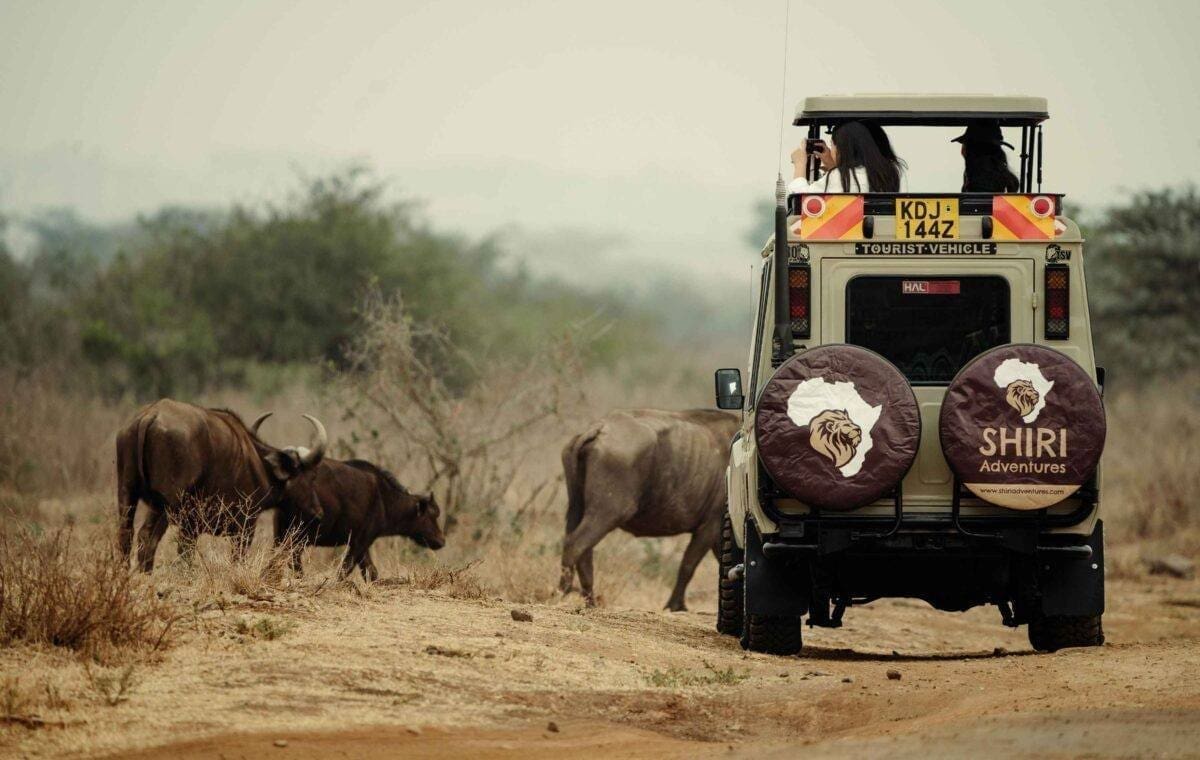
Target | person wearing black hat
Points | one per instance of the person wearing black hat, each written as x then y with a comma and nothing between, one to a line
986,167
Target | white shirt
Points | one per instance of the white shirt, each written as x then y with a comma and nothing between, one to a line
832,183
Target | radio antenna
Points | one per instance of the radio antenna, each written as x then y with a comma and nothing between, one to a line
781,343
787,17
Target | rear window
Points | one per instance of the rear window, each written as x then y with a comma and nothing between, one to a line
929,327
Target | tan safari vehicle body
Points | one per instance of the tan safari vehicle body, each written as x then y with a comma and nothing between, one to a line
1002,272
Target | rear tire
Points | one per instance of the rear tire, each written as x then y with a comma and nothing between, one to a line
772,635
769,634
1055,632
729,592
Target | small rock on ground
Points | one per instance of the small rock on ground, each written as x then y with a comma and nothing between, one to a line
552,727
521,616
893,675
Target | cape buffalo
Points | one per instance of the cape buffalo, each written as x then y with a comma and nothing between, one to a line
203,469
651,473
358,502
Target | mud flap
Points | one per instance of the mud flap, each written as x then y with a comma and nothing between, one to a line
1070,586
774,587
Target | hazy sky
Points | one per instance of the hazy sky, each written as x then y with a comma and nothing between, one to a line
650,126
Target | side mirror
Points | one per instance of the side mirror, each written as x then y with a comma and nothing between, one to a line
729,389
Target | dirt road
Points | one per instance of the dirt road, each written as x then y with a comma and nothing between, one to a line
425,675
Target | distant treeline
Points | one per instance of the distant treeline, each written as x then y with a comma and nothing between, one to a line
187,299
1143,276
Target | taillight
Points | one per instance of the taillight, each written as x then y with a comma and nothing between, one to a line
798,289
1058,301
813,206
1042,206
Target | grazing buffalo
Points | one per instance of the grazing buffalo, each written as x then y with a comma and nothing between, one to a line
651,473
202,469
358,502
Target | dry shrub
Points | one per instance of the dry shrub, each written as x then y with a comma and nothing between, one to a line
112,685
457,582
470,446
1151,476
57,589
215,572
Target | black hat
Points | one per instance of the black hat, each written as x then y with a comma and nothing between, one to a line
983,132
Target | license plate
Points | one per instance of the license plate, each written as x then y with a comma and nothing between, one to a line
926,218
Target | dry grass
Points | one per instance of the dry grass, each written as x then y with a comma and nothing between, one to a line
1152,464
65,591
51,443
457,582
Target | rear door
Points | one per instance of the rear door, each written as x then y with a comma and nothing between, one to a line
929,318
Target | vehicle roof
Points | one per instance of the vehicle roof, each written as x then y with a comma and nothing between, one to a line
922,109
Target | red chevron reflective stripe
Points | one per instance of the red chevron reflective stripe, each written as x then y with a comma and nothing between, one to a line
842,222
1006,214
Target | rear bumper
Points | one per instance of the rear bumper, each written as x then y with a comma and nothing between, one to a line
823,533
950,561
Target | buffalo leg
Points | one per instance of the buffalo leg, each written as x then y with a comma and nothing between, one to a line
153,528
586,576
128,481
127,501
125,518
367,566
702,541
351,559
566,580
580,542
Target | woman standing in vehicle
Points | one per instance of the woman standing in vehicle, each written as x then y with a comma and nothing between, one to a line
985,165
854,163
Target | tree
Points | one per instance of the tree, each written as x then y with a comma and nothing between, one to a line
1144,283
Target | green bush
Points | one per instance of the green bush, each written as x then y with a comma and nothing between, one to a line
189,298
1143,266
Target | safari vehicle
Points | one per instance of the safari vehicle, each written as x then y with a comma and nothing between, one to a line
923,413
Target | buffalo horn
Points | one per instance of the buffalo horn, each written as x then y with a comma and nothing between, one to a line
318,451
259,421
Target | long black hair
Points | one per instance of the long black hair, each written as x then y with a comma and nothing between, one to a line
856,147
885,144
986,169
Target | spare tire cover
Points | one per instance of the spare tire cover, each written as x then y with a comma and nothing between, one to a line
1022,426
837,426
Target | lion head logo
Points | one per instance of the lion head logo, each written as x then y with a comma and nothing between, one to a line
1025,387
840,421
1022,396
834,435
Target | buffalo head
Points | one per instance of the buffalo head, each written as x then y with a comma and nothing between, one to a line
287,463
423,528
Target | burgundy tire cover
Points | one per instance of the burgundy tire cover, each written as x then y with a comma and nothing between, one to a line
1022,426
837,426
